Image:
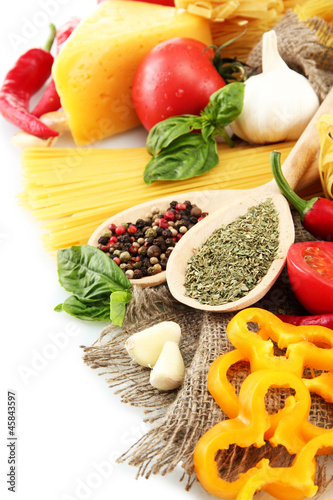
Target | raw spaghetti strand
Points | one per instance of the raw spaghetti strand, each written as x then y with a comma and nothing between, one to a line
73,192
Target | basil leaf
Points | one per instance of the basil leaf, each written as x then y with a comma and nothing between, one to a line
58,308
166,131
88,273
89,311
225,105
185,157
118,303
207,131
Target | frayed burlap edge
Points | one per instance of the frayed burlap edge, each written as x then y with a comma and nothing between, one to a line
109,357
180,418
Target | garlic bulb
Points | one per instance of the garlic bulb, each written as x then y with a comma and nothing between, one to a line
278,103
169,371
145,347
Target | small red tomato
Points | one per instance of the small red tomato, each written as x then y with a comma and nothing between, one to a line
176,77
310,270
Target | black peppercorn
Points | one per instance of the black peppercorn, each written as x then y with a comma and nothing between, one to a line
124,238
168,252
118,245
137,274
164,263
167,233
103,240
196,212
140,223
154,251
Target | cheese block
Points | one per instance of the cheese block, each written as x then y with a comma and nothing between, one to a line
94,71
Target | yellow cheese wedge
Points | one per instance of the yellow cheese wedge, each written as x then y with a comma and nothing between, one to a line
95,69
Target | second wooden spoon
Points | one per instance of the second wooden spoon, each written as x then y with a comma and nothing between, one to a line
303,153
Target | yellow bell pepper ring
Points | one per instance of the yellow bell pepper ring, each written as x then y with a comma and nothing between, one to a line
225,395
249,428
219,386
307,345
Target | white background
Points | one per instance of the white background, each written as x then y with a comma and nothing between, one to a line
70,425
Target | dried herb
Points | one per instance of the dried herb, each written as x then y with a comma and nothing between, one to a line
235,257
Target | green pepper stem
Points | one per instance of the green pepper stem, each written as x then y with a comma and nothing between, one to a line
51,38
302,206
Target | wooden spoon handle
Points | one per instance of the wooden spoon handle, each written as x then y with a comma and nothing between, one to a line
306,148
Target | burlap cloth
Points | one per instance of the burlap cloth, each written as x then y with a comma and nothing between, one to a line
306,47
181,417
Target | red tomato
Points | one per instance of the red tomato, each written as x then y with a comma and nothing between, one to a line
174,78
310,269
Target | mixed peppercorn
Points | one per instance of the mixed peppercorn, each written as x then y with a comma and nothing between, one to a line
142,248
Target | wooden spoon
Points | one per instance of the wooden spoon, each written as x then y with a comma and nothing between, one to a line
208,201
302,155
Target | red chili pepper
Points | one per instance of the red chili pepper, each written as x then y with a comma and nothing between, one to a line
317,319
50,101
316,214
27,76
310,270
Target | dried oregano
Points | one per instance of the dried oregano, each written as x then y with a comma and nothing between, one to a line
235,257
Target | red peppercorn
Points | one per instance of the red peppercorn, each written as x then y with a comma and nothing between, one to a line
174,238
117,260
204,214
136,259
112,227
113,239
169,215
132,239
179,235
132,229
120,230
133,250
180,206
163,223
200,218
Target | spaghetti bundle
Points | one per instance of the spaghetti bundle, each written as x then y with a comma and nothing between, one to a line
73,190
229,18
325,128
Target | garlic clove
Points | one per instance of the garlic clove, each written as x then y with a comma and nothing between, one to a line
145,347
169,370
278,103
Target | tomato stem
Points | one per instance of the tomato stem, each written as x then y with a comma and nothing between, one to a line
302,206
231,69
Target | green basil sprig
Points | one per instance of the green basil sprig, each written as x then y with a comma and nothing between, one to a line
184,146
100,289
